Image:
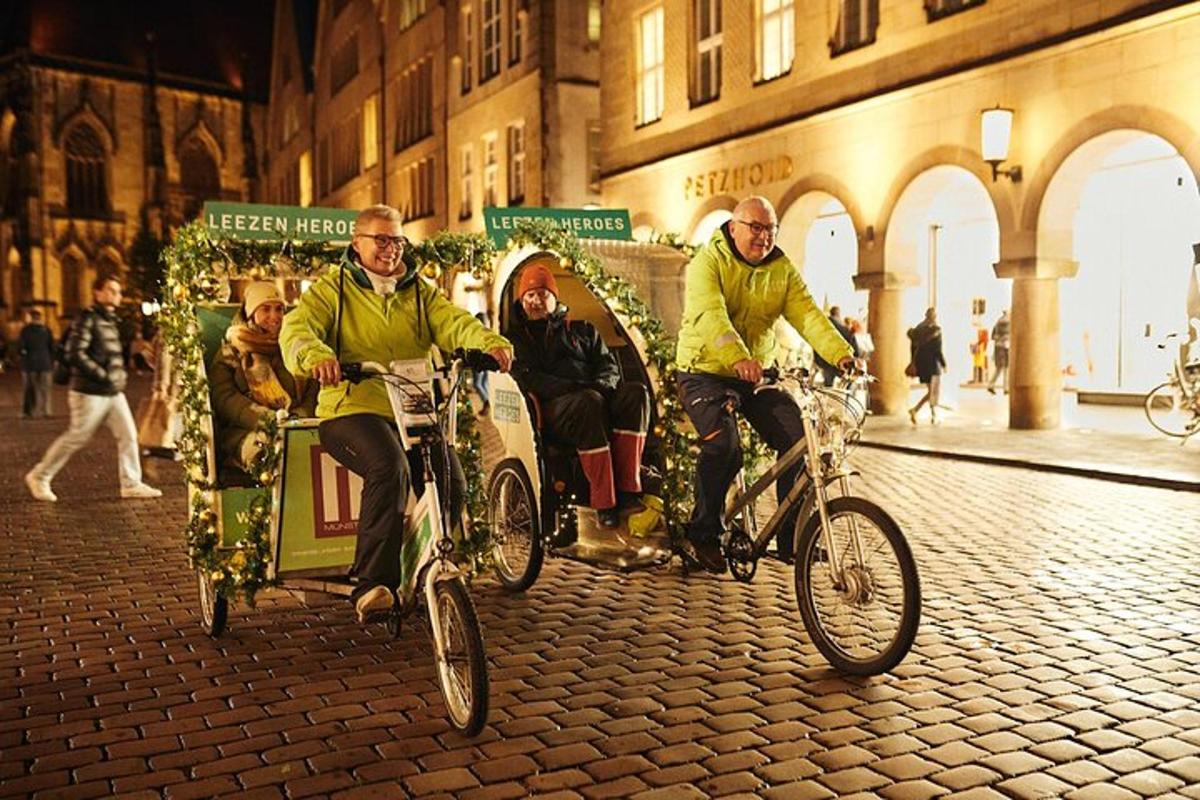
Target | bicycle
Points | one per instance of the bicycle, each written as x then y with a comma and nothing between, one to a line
427,549
855,577
1173,407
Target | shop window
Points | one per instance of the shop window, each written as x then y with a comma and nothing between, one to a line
516,163
857,21
87,172
706,81
776,38
650,70
936,9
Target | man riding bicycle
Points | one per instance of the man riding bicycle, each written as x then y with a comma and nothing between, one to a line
373,307
737,286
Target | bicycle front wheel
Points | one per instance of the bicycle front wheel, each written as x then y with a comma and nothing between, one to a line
461,662
1168,410
864,618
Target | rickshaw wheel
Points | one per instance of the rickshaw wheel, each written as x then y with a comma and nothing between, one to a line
462,665
513,515
214,608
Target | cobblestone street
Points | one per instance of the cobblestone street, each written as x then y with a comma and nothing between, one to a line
1058,656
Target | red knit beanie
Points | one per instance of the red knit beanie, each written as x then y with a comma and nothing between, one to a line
536,276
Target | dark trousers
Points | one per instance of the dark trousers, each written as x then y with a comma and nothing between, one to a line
369,446
584,419
773,414
36,395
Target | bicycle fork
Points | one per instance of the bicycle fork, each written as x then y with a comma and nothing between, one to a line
821,495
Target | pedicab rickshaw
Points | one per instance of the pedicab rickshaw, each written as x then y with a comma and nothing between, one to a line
293,523
853,567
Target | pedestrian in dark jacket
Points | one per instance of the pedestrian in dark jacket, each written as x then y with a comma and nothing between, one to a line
96,396
926,343
575,378
35,346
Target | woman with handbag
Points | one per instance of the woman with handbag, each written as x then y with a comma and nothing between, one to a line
928,363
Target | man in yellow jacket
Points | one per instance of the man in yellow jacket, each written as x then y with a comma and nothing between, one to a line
372,307
737,286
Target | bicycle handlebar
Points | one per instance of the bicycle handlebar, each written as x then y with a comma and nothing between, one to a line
358,371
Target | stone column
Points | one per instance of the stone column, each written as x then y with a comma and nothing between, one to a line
1035,372
885,323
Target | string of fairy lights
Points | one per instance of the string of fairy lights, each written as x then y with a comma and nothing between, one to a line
199,270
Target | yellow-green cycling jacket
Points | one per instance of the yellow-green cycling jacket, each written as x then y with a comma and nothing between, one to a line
730,307
402,325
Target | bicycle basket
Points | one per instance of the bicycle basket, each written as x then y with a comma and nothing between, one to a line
839,421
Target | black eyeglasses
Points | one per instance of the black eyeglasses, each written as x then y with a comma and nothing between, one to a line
382,240
758,229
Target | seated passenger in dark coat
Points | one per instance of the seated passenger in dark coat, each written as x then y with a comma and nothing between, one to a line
566,365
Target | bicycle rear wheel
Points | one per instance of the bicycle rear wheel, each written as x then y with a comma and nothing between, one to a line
462,665
864,619
1169,410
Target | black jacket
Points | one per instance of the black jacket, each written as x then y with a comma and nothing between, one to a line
36,347
94,353
566,357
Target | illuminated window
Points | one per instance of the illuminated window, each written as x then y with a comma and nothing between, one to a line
304,168
593,22
936,9
418,190
468,45
857,21
650,66
593,155
410,12
516,12
466,182
414,104
776,37
347,151
706,82
87,172
516,163
491,170
489,54
370,132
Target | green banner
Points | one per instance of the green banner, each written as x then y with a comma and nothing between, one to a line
263,222
586,223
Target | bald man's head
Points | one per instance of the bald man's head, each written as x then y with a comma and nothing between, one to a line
753,228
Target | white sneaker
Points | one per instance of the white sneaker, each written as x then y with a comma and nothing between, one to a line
40,489
140,491
374,602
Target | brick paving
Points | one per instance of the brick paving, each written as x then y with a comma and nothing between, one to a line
1057,657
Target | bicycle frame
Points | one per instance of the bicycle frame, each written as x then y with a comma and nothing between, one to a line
811,487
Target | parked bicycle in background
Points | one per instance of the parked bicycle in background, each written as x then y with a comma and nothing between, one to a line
1173,407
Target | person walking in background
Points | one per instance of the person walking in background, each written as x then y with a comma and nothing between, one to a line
926,343
96,396
35,347
1000,334
829,371
979,355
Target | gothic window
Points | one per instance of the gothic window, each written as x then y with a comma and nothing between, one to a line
87,172
199,177
72,277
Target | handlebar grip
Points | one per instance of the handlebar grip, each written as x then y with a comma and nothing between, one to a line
477,360
353,371
771,374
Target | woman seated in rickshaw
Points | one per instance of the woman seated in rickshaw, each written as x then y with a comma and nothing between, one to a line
249,379
575,378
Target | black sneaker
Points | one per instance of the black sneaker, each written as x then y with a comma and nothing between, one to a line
608,517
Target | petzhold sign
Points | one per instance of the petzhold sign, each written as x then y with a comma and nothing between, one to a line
736,178
586,223
263,222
